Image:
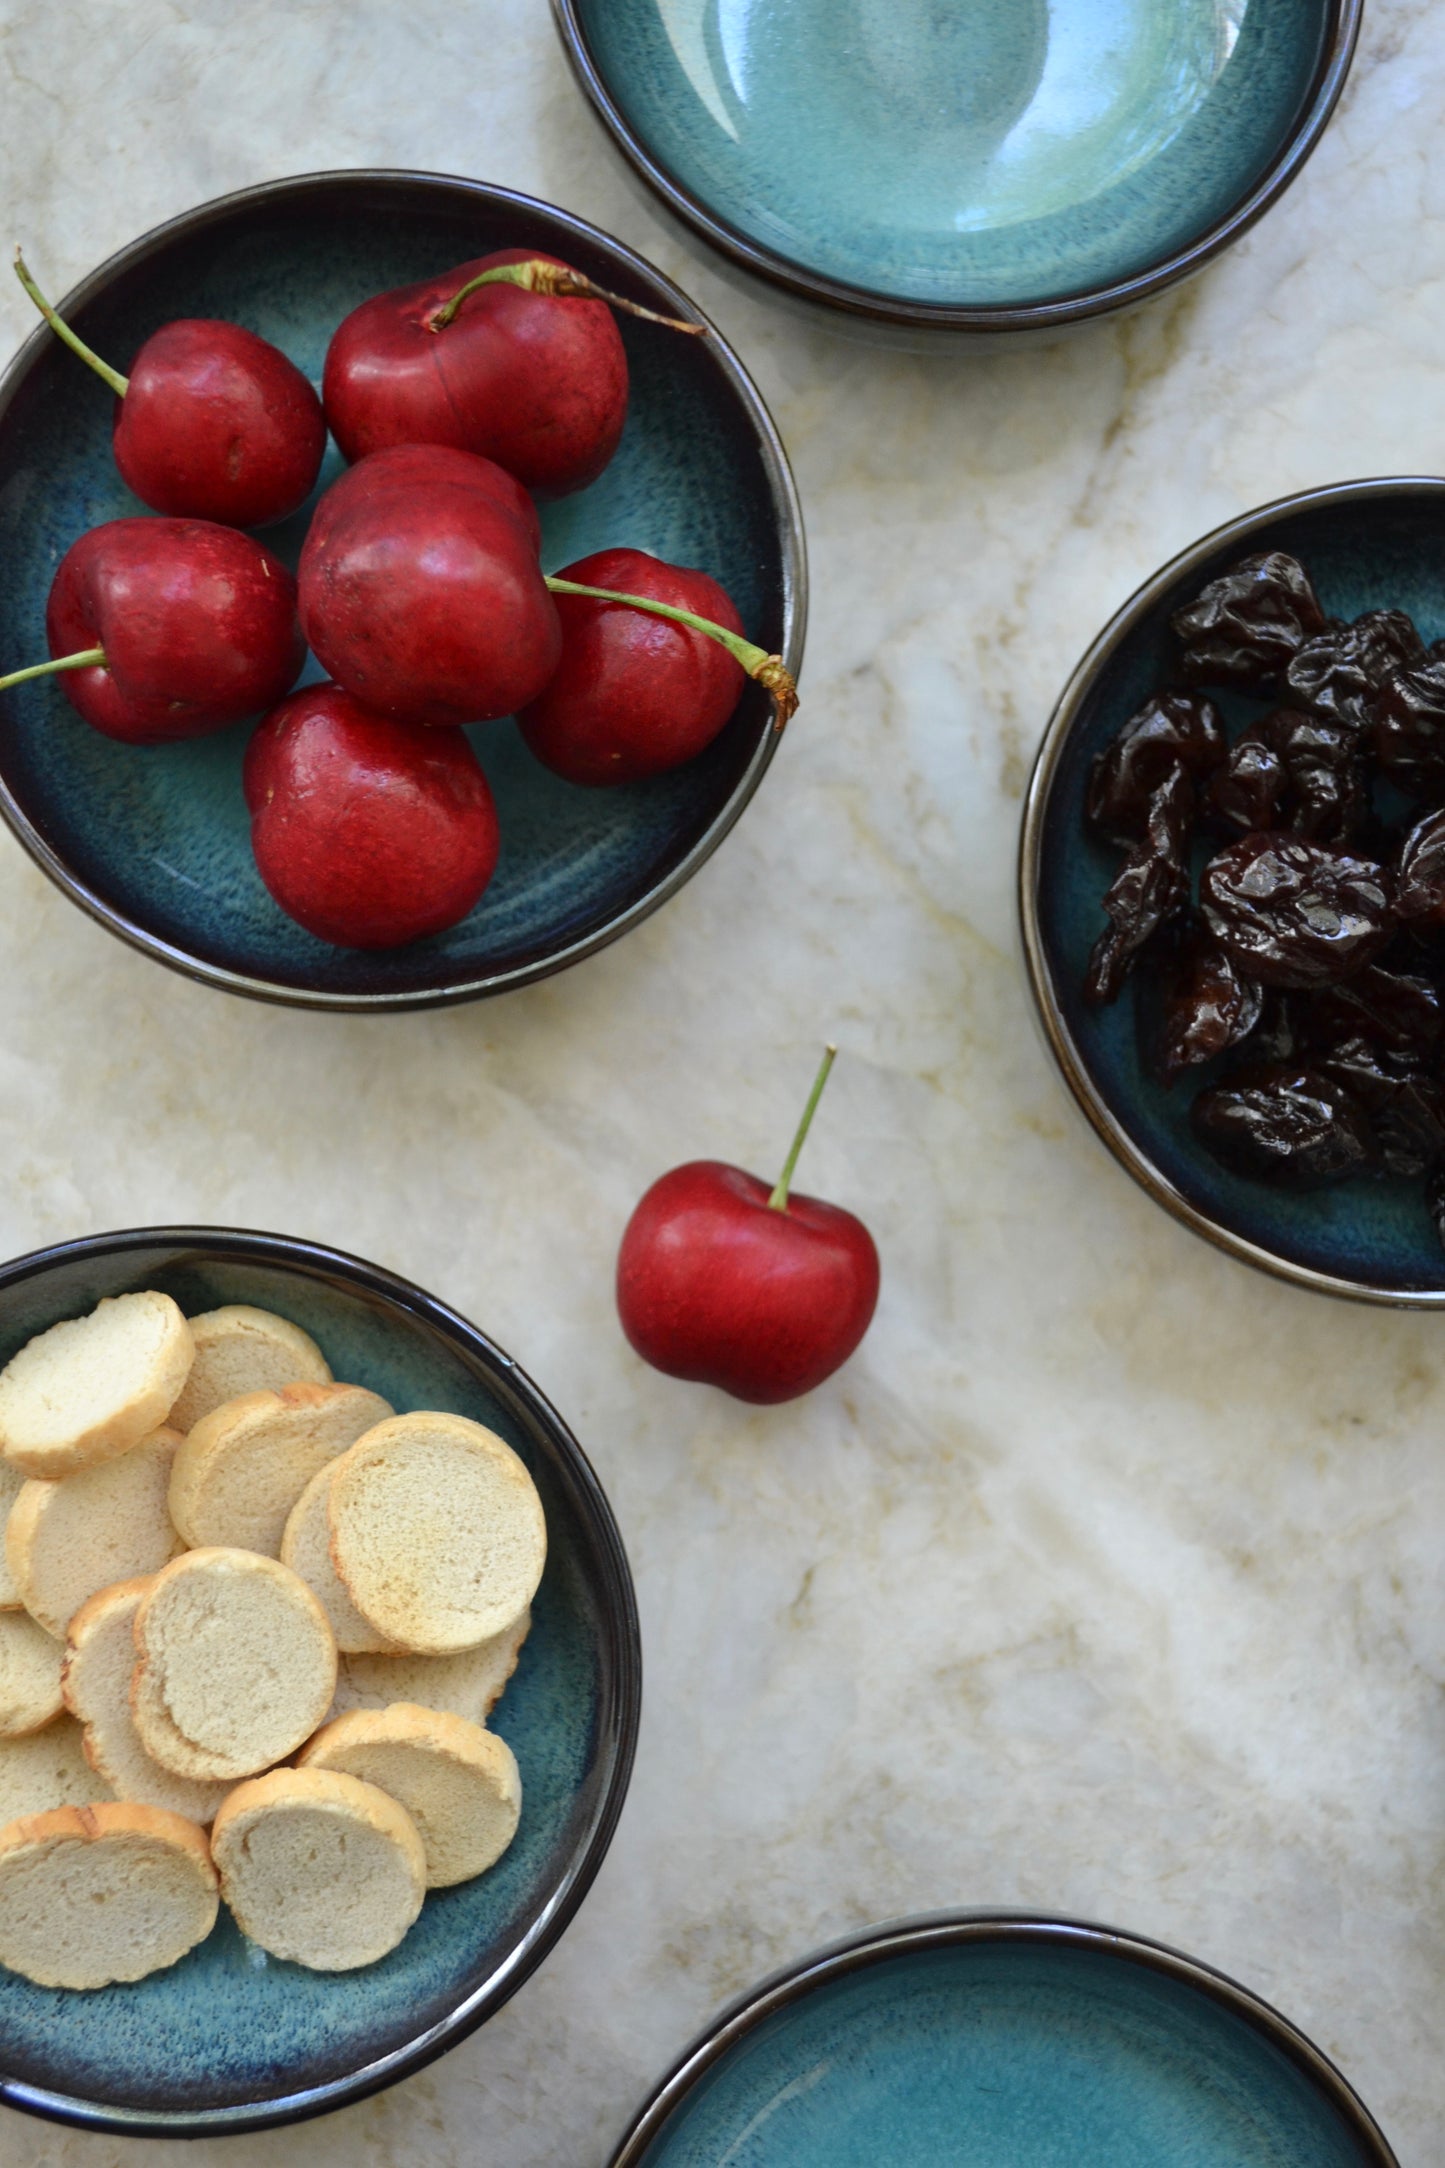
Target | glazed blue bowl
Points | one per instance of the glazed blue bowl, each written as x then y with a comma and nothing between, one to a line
980,2040
155,842
1002,166
230,2039
1365,544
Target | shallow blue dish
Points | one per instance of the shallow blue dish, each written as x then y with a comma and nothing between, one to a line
155,842
1005,165
1365,544
993,2041
230,2039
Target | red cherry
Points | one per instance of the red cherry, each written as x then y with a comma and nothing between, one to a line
532,380
192,627
723,1281
212,422
633,694
218,424
367,832
421,592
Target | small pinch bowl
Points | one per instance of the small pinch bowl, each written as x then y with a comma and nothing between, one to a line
1366,544
975,2039
229,2039
155,842
1001,167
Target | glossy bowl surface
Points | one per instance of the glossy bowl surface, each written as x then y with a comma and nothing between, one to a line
1366,544
155,842
230,2039
995,2041
1004,165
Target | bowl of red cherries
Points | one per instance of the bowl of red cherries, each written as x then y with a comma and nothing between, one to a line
404,590
1233,888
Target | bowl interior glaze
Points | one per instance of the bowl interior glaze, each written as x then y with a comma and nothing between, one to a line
1366,545
230,2038
1032,2047
1010,154
156,841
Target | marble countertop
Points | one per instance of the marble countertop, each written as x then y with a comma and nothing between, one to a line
1107,1579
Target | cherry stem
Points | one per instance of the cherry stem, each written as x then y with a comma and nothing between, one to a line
119,384
769,670
537,276
89,658
778,1202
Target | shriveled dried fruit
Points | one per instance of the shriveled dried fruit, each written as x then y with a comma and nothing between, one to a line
1420,872
1197,1005
1292,770
1286,1124
1170,730
1390,1007
1406,1108
1409,730
1149,888
1341,671
1244,627
1292,913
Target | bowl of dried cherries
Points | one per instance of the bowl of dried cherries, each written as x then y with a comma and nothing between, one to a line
404,586
1232,886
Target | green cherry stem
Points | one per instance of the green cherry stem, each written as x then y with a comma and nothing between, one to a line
119,384
89,658
769,670
778,1202
536,276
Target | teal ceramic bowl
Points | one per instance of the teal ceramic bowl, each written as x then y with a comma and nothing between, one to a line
1366,544
999,166
230,2039
994,2041
155,842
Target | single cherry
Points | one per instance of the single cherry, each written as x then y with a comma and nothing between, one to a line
211,423
420,588
367,832
634,694
721,1280
513,356
169,628
421,592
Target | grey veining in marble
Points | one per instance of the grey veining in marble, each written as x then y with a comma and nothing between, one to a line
1108,1577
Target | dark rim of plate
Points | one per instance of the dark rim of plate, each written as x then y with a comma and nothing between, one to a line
637,279
867,306
618,1717
945,1930
1235,533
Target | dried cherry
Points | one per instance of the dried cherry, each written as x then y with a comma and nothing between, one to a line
1409,729
1391,1008
1286,1124
1293,770
1150,887
1406,1108
1293,913
1420,872
1243,628
1197,1005
1171,729
1341,671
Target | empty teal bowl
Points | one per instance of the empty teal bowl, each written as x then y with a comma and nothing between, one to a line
997,166
155,842
1367,545
993,2041
230,2039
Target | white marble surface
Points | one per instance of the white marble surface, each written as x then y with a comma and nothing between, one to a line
1108,1577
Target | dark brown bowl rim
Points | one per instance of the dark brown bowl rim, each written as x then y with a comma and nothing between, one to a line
864,305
